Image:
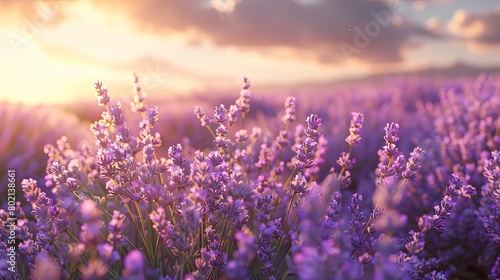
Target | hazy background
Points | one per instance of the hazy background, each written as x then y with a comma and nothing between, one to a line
52,51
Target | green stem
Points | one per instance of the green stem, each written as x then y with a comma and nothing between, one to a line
391,158
209,274
145,243
288,211
348,157
287,183
211,131
280,242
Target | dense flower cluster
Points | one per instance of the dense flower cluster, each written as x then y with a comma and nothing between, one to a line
259,204
24,130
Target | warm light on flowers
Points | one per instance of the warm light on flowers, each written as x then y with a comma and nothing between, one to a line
266,204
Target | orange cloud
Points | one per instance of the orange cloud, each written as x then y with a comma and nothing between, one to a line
314,30
479,30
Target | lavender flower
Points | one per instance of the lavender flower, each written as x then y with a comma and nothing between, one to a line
116,227
269,230
306,151
138,104
232,115
357,224
298,185
233,210
134,265
268,233
243,102
220,114
150,118
355,129
391,138
237,268
101,93
330,221
290,112
24,131
205,121
442,211
413,164
220,139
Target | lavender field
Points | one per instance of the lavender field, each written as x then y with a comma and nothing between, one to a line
249,139
355,184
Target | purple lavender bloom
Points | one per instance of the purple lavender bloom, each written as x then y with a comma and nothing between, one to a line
495,270
332,216
391,133
307,149
175,154
107,253
490,202
357,224
237,268
236,211
415,244
269,230
138,104
443,211
47,215
313,123
117,117
211,255
203,262
243,102
160,222
91,228
283,139
205,121
101,93
220,116
266,156
241,136
290,112
263,204
215,159
107,169
177,178
101,133
413,164
116,227
345,161
150,118
268,233
299,185
391,138
134,266
220,139
492,173
355,127
31,191
232,115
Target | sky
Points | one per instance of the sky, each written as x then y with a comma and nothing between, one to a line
52,51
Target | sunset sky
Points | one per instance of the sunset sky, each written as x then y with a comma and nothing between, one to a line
52,51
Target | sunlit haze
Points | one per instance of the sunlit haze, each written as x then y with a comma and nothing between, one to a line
52,51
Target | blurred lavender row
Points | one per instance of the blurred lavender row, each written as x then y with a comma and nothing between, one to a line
400,182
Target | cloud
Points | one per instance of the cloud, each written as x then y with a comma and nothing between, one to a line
478,29
312,31
434,24
34,13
